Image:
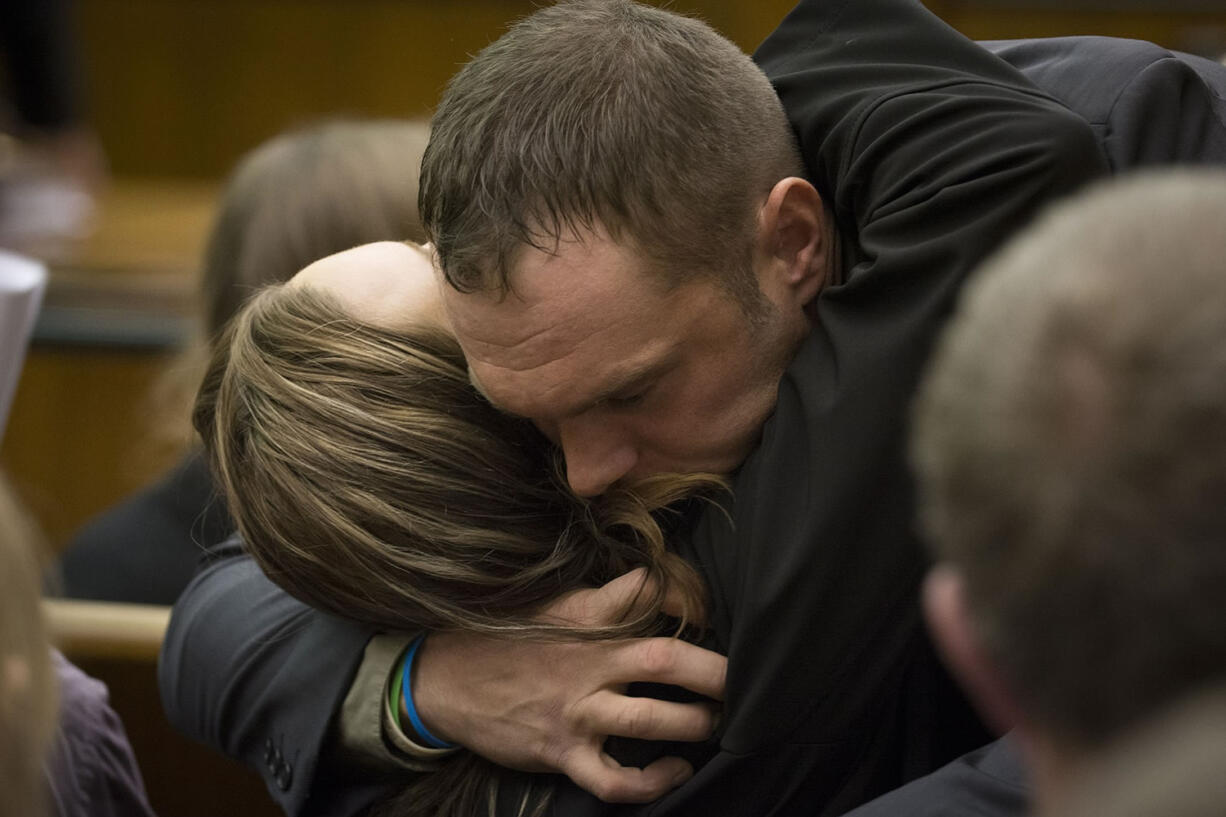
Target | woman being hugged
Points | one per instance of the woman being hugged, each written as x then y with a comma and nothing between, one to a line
369,478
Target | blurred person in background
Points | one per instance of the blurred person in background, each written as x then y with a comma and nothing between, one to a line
51,163
27,679
70,761
300,197
1071,472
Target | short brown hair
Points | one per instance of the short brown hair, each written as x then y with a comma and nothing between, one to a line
1071,447
612,114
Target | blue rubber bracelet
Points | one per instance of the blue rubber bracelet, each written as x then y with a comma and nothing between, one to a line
406,689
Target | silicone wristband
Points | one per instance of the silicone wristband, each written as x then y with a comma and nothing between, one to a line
406,689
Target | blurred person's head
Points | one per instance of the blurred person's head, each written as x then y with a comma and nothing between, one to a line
1072,468
299,197
613,192
369,478
27,678
305,195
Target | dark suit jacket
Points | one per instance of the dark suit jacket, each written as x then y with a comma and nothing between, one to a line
1148,106
930,152
989,782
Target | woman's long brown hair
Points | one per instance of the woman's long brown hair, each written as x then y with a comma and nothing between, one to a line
369,478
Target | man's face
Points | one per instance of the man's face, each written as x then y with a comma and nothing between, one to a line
629,378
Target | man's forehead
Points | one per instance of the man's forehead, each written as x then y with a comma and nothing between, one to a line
561,347
554,299
573,322
555,364
573,383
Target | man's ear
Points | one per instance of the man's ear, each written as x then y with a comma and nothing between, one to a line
795,242
949,621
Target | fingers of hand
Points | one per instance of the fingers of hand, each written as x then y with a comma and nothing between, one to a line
672,661
609,713
600,774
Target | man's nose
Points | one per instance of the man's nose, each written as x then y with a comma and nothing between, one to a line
597,455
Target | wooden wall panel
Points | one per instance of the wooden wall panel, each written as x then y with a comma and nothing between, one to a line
183,87
80,435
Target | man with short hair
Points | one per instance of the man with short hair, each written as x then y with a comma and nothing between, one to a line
652,321
1071,472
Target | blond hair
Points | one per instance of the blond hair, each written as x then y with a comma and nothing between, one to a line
27,678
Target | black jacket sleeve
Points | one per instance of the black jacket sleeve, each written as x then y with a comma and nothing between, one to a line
990,781
260,676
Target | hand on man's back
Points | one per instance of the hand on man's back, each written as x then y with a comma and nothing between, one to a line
548,706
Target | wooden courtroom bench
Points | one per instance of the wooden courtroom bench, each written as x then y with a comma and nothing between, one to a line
118,644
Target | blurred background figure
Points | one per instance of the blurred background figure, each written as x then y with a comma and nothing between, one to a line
27,679
73,760
1072,466
51,163
302,196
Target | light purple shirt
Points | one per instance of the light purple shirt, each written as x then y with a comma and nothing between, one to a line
91,771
